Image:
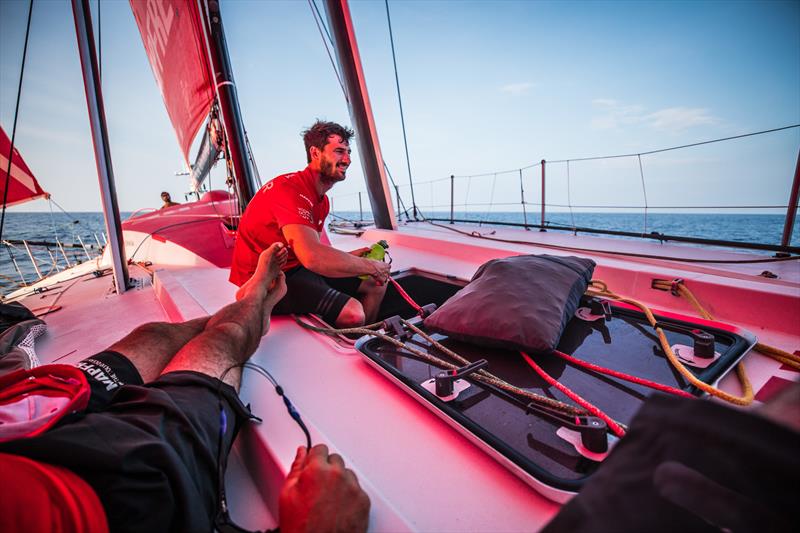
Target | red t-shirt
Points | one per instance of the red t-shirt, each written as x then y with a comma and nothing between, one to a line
287,199
42,497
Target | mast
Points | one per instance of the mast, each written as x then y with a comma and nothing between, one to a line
102,151
369,149
229,105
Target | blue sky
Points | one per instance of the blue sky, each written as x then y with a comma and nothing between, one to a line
486,86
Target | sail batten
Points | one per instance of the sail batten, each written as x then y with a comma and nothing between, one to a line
174,39
22,185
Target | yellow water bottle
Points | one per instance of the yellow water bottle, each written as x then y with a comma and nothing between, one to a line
377,252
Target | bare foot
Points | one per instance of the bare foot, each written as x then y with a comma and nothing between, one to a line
268,270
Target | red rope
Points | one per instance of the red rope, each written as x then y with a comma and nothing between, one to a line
613,426
405,295
626,377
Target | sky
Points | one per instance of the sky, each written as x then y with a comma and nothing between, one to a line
486,87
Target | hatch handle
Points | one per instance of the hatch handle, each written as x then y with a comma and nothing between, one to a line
394,325
444,380
593,430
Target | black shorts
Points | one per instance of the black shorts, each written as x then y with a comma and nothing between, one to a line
150,452
308,292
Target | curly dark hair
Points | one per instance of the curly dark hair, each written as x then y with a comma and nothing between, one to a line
317,135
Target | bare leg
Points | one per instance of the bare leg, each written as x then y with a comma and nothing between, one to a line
370,294
234,332
150,347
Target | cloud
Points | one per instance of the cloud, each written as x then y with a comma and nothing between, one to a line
517,88
615,114
604,102
676,119
679,118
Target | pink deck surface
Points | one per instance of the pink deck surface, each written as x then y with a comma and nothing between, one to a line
420,474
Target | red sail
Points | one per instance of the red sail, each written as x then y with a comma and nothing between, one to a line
22,186
172,31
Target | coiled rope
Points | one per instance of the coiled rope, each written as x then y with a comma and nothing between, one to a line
600,289
679,287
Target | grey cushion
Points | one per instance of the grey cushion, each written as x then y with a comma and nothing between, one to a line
522,302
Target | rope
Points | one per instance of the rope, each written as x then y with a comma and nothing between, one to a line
613,426
496,381
627,377
405,295
680,287
483,376
16,115
402,115
599,288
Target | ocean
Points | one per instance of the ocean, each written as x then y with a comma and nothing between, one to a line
761,228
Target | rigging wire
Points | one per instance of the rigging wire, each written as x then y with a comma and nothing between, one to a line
522,196
252,159
477,235
320,26
491,200
16,115
402,116
596,158
644,191
53,218
68,215
569,201
677,147
397,190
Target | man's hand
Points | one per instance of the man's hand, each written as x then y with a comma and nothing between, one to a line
321,495
379,271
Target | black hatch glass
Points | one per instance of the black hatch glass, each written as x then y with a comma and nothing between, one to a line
625,342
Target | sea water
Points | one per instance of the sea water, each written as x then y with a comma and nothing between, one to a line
760,228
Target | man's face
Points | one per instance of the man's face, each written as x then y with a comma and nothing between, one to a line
334,159
166,197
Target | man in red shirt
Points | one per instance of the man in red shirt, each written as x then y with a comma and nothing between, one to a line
291,209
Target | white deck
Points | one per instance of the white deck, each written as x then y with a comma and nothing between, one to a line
420,474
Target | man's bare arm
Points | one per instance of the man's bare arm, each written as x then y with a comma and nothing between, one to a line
328,261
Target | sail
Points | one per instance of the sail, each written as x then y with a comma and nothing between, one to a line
173,36
22,186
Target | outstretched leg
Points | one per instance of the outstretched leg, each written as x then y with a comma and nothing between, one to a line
150,347
234,332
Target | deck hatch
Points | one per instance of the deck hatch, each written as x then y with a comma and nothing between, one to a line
528,445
